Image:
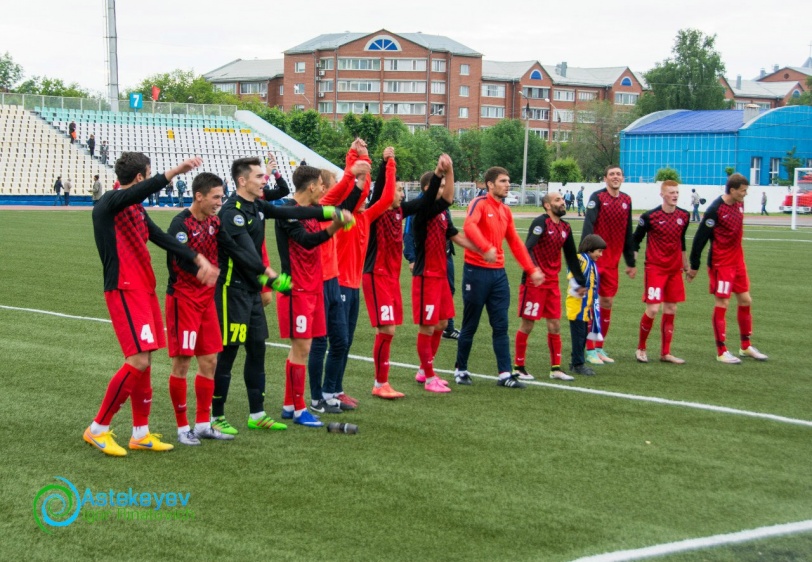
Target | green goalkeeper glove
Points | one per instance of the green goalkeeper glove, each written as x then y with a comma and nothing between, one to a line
328,211
281,284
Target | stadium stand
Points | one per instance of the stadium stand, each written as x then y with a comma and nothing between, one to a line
32,155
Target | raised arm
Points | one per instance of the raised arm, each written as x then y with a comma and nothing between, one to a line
384,201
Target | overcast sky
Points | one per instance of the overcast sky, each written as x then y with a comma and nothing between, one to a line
65,39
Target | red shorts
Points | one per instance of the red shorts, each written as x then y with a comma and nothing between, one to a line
192,329
301,315
663,286
383,299
607,287
536,303
725,281
136,317
432,301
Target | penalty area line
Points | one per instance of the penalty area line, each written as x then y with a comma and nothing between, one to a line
702,543
596,392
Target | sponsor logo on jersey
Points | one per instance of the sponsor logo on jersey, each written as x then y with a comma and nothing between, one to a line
537,230
182,238
591,205
710,223
680,222
239,220
625,206
261,216
211,229
641,222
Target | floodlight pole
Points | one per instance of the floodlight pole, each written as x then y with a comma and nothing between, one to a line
112,54
526,138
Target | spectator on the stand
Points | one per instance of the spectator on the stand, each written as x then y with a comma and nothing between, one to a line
104,151
58,190
170,188
67,186
181,191
72,131
97,190
91,145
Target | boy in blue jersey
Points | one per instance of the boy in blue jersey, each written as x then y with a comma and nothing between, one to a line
583,310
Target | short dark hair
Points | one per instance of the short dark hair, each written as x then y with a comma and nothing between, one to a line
735,181
242,166
96,177
425,180
494,172
129,165
304,176
548,198
611,167
590,243
205,182
328,177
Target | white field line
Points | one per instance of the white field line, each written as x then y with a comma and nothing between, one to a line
606,393
704,542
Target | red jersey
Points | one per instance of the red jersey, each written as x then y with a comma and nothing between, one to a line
666,237
545,240
298,242
432,227
723,226
611,218
122,227
385,243
335,196
488,223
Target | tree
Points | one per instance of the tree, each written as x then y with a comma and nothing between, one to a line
10,72
664,174
806,97
790,162
565,170
596,141
183,86
304,126
503,145
369,129
689,79
469,164
392,131
44,86
275,117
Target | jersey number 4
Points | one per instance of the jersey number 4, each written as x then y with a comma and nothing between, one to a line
146,334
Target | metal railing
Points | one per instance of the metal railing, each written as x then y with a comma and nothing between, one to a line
32,101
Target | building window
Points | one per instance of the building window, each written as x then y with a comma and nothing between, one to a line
359,86
564,95
626,99
382,43
438,87
404,109
325,86
563,115
561,136
626,81
325,107
438,109
764,106
541,133
755,170
359,64
465,69
326,64
404,87
298,107
464,90
586,116
493,91
587,96
438,65
358,107
405,65
536,93
230,88
299,67
492,112
536,75
463,113
413,128
281,90
775,170
298,89
536,114
253,87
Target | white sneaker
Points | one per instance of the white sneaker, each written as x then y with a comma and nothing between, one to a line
752,352
561,375
729,358
641,356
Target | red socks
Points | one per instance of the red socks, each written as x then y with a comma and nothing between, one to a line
521,347
745,325
380,355
436,338
554,345
667,332
295,385
177,393
141,399
204,390
426,354
118,390
606,318
645,328
719,327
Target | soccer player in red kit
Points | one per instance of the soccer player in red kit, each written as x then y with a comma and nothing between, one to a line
609,215
121,228
666,260
301,310
722,226
549,234
193,328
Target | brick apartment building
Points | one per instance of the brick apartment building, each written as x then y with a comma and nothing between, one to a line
426,80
